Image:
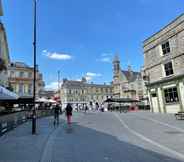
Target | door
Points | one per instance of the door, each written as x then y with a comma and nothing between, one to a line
155,102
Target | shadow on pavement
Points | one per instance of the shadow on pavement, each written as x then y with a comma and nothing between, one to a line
88,145
81,145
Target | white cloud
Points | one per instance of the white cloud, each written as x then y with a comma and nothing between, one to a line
90,74
106,54
52,86
56,56
106,59
88,78
44,51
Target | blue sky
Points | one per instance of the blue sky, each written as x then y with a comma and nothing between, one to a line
80,37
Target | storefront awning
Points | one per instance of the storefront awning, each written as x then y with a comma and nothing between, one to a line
5,94
121,100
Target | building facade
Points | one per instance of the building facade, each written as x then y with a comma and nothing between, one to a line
164,67
4,57
21,78
83,92
1,8
48,94
127,83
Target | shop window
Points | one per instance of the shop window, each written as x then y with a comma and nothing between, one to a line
171,95
154,95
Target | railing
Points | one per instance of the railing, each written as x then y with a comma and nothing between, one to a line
11,121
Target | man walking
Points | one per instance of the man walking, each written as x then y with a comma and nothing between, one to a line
69,110
57,110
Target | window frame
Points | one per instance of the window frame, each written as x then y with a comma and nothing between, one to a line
169,70
171,95
165,48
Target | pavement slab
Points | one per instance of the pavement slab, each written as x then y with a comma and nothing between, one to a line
92,137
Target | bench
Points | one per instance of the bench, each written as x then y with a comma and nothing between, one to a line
179,115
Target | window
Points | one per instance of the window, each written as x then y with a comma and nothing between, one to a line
12,74
96,90
154,95
21,88
171,95
21,75
29,75
30,89
165,48
168,69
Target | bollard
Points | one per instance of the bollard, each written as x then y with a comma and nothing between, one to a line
4,127
23,119
15,122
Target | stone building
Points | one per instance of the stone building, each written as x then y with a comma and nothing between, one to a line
127,83
1,8
4,61
164,67
20,78
48,94
4,54
83,92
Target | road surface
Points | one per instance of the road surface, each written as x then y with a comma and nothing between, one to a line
98,137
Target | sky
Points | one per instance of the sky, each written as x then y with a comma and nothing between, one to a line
81,37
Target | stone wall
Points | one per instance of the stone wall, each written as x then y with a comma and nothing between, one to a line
154,60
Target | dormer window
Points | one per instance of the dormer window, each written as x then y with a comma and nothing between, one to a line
165,48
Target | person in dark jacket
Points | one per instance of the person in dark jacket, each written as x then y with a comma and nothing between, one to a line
57,111
69,110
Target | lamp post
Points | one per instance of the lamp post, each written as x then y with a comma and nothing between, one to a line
59,72
34,60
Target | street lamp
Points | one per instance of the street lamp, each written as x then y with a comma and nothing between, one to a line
34,60
59,72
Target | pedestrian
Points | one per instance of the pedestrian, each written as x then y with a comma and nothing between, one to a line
69,110
86,108
57,111
96,106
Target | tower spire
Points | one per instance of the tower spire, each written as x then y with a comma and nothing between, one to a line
116,67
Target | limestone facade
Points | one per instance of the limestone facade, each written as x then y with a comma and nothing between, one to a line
20,78
4,57
83,92
127,83
164,67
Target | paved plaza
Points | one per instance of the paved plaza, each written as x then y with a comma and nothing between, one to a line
98,137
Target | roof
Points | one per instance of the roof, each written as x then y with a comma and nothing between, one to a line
116,58
131,75
20,64
74,83
177,20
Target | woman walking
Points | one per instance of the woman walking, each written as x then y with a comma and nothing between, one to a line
69,110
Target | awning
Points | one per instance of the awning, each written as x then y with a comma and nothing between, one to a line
18,101
121,100
42,100
5,94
